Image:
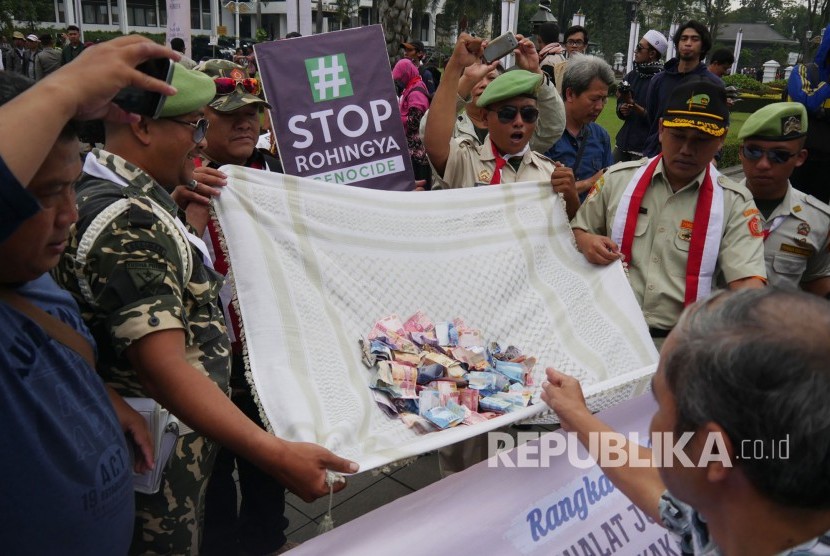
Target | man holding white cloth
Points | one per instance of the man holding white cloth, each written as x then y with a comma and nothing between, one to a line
681,228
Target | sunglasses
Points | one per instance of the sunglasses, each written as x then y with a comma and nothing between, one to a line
775,156
508,113
640,47
199,128
227,85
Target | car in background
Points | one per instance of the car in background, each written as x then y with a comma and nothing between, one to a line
203,51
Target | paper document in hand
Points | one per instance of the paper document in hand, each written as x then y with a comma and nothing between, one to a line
164,432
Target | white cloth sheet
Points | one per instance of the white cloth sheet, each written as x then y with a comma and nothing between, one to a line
314,265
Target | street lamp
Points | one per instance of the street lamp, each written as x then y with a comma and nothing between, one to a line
543,15
807,46
578,19
235,7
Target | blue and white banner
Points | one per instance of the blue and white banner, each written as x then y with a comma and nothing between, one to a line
540,506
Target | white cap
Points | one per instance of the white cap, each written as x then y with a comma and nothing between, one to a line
32,38
657,40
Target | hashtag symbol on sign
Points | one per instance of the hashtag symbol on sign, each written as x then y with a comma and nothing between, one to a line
328,77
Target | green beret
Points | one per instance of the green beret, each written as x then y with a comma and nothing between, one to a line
510,84
194,91
780,121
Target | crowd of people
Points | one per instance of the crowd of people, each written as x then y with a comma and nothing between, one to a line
113,282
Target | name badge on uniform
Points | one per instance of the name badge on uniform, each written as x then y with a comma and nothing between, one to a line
800,251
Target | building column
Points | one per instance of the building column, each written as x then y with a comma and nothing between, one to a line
122,17
431,33
214,17
305,23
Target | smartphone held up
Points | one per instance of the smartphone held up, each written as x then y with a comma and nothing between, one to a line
146,103
500,47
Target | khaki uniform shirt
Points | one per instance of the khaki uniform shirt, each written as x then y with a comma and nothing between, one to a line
660,249
471,164
797,249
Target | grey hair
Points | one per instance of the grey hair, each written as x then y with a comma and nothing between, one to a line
757,363
582,70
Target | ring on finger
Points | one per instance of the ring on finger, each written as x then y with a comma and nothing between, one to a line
192,185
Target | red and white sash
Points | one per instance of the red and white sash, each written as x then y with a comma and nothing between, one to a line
706,232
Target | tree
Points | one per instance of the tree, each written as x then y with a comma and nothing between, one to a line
468,16
397,23
714,11
30,11
345,10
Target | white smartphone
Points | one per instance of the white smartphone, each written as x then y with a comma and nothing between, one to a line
500,47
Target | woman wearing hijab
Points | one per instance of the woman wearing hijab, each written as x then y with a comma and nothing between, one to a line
414,101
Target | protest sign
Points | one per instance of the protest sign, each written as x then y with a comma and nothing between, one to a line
178,22
335,113
554,509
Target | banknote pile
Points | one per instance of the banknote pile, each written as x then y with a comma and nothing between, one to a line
442,374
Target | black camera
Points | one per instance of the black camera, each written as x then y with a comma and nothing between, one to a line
624,87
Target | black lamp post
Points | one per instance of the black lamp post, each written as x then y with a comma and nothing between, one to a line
542,15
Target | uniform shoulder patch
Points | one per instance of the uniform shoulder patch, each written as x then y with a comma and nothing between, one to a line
815,203
627,165
739,188
542,156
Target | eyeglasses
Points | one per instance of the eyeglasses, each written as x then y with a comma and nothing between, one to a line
775,156
508,113
227,85
576,42
640,47
200,127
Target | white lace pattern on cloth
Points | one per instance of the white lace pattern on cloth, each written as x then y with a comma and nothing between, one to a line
316,264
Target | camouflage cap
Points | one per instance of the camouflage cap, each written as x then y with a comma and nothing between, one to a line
237,99
779,121
193,91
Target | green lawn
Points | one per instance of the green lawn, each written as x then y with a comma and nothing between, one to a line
612,124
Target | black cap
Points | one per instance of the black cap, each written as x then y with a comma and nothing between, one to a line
699,104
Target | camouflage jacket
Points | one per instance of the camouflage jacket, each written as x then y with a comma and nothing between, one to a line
134,272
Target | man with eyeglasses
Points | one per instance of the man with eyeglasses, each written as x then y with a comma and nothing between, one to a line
796,226
680,227
576,40
147,290
632,93
510,114
692,41
584,150
256,523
